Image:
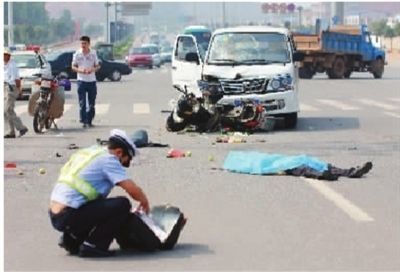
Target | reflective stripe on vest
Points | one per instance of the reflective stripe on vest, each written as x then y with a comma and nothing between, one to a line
70,171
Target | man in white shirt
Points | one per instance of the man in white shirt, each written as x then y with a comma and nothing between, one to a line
85,63
11,92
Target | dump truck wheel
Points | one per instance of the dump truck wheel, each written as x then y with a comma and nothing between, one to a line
377,68
338,68
305,72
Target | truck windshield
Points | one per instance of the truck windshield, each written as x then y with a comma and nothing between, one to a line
248,49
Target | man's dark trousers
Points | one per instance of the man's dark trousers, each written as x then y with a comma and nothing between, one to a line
88,89
96,222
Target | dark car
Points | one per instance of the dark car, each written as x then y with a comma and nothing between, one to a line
113,70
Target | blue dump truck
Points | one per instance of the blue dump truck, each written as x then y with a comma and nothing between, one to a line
339,51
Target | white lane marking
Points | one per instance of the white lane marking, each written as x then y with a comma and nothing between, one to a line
337,104
141,108
371,102
392,114
340,201
67,107
164,70
395,99
102,109
20,109
305,107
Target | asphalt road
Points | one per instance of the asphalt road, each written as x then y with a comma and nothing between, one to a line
236,222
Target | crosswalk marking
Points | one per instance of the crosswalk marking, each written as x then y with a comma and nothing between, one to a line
102,109
395,99
20,109
305,107
392,114
371,102
141,108
67,107
337,104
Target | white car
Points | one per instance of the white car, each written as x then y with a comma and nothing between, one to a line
30,64
155,53
249,62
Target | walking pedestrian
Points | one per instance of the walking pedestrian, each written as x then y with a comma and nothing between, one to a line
12,85
85,63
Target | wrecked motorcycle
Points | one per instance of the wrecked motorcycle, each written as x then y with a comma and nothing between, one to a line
207,113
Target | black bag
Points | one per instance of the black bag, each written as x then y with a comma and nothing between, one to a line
136,234
140,138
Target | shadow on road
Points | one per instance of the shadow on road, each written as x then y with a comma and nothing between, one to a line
327,123
180,251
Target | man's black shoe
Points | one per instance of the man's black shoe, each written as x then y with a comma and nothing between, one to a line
92,251
22,132
90,125
85,125
360,171
9,136
69,243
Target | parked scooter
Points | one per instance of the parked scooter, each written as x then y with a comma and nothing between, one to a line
207,113
47,103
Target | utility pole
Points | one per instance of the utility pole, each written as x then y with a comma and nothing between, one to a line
223,15
300,9
10,22
115,24
107,23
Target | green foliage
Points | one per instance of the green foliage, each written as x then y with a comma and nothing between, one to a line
93,30
121,48
397,29
388,32
32,24
378,27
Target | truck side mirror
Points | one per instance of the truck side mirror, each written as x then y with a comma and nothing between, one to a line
192,57
298,56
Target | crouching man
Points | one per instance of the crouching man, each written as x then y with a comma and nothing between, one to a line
79,205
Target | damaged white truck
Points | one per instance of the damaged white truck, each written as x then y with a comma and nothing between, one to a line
247,75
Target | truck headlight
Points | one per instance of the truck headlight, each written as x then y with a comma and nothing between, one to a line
212,88
281,82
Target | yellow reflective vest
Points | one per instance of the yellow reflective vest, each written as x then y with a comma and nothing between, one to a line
71,170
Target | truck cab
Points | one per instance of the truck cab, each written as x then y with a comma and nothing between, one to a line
249,62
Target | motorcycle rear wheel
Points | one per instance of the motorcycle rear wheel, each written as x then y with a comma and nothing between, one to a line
39,120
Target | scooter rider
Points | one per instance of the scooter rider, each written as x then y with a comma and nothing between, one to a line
79,207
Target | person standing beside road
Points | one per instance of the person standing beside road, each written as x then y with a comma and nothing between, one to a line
85,63
12,85
79,207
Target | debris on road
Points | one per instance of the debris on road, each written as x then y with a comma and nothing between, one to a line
211,158
58,155
73,146
42,171
175,153
20,173
10,165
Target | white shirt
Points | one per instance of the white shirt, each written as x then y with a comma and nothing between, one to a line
103,174
11,72
88,60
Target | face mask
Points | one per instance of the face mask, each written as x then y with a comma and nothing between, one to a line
126,163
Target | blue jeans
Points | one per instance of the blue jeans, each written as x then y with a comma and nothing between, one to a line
86,115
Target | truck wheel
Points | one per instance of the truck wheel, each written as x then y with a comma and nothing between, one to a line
347,74
305,72
291,120
338,68
377,68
